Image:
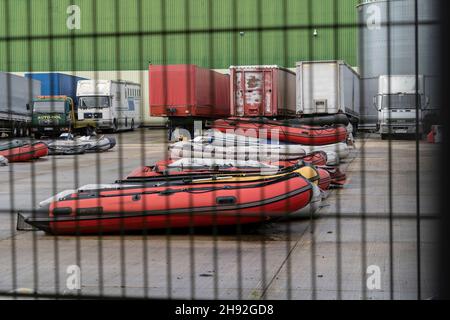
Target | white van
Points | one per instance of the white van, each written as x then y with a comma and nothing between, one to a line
113,105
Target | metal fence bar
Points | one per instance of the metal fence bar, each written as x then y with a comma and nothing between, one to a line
418,138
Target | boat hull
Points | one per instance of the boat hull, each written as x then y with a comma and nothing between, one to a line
134,209
302,134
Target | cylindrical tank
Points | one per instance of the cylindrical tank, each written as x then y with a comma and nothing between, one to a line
387,45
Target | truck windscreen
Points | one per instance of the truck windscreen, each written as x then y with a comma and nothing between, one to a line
94,102
49,106
397,101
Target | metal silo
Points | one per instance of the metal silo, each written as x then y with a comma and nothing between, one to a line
387,45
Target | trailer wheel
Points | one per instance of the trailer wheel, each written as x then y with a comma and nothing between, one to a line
14,130
21,130
384,136
132,124
115,126
179,134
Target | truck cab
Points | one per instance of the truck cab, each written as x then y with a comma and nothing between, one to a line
53,115
399,105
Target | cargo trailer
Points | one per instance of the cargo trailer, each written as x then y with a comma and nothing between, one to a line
16,95
262,91
328,87
55,110
186,95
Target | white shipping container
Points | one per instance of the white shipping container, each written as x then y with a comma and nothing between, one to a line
327,87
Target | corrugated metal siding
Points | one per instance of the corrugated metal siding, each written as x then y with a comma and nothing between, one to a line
215,50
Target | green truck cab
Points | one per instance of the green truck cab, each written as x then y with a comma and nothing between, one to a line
53,115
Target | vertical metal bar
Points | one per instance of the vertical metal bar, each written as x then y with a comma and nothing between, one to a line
362,172
11,171
235,59
76,167
123,279
312,222
211,61
390,158
418,134
54,161
262,191
97,155
288,224
168,222
145,247
338,196
189,80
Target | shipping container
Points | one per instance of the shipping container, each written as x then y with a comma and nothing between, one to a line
57,84
188,91
16,94
189,96
259,91
328,87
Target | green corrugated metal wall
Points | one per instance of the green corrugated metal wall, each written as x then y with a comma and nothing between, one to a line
217,50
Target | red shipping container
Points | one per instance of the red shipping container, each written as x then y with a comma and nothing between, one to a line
188,91
259,91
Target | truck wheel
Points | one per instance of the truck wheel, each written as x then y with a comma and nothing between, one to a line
37,135
115,126
384,136
132,124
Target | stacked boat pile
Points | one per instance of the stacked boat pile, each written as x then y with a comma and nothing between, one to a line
213,180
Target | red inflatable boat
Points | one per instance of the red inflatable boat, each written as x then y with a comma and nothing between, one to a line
301,134
19,151
40,149
325,179
317,158
178,206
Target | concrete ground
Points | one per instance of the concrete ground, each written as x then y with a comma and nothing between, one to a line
324,258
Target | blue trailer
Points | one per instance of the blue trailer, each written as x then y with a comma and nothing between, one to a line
57,84
55,111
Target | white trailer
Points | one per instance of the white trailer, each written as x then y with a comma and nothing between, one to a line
327,88
113,105
16,94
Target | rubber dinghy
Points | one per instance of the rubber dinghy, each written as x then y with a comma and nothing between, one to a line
266,149
81,145
212,170
22,151
257,153
3,161
179,206
301,134
340,149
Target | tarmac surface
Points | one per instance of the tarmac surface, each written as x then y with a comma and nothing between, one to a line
365,232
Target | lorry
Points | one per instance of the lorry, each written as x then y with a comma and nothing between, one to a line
328,88
397,107
113,105
55,110
189,96
16,94
262,91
